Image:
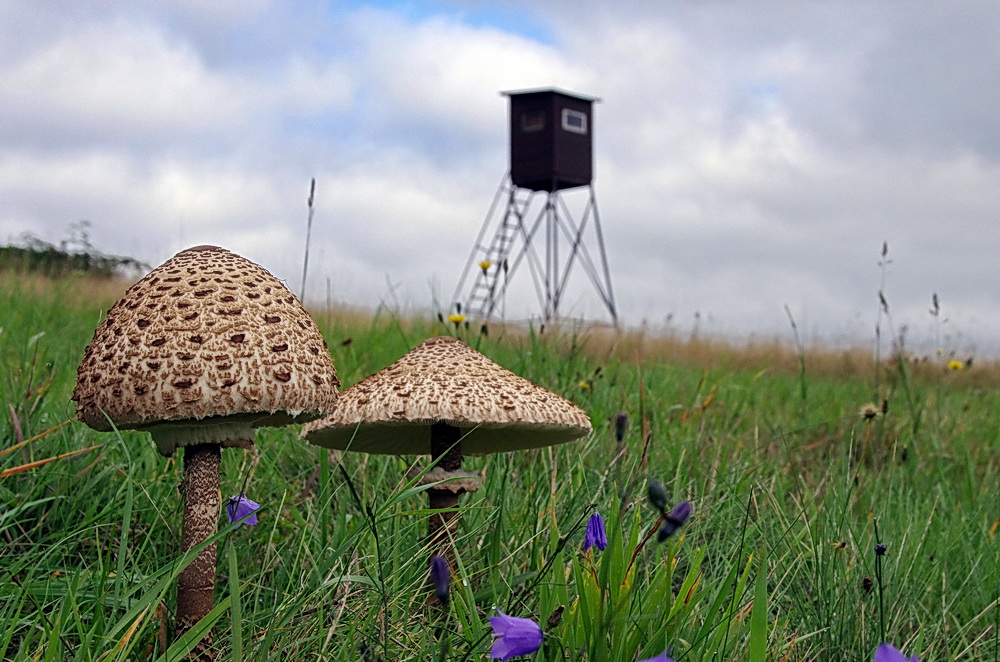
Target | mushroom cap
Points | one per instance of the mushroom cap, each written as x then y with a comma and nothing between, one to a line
443,380
203,349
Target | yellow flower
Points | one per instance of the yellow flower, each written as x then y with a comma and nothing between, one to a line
456,319
955,365
485,264
585,385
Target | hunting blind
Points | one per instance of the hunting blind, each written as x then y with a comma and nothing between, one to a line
551,140
551,150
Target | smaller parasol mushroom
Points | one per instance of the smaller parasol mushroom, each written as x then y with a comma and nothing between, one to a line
206,348
446,400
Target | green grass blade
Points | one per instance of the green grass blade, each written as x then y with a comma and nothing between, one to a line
758,614
236,612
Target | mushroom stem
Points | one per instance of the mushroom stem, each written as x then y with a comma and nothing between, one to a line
196,583
446,452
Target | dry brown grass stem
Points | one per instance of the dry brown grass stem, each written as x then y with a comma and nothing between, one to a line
600,343
775,355
80,292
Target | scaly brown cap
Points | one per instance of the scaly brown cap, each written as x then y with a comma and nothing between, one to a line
443,380
203,349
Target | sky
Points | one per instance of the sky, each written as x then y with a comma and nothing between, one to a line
751,158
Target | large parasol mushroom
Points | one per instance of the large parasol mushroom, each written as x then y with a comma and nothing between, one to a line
203,350
446,400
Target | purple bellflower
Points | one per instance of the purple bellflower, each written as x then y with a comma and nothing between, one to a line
238,507
514,636
595,535
674,520
887,653
662,657
440,578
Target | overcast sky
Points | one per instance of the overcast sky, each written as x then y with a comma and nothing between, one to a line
748,155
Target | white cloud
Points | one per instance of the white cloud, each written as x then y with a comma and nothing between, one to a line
447,75
747,157
114,79
133,84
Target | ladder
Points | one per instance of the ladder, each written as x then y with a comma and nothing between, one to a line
505,241
491,260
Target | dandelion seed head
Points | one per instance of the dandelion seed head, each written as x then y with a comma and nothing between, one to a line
870,411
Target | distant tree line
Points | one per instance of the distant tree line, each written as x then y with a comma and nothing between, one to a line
72,255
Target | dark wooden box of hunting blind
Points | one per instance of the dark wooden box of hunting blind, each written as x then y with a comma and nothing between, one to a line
551,139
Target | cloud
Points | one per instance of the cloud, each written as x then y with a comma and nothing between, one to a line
929,81
747,156
433,86
131,83
118,82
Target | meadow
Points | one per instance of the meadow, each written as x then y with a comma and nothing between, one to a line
797,464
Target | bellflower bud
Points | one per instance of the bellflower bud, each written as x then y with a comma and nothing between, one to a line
658,496
595,535
621,426
440,578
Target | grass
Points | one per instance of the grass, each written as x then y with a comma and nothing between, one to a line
786,476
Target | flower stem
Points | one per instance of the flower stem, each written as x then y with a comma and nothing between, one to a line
642,543
878,578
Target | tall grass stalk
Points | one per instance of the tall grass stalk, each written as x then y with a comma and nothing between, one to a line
309,225
800,351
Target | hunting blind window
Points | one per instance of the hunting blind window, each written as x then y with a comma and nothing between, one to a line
533,120
574,121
